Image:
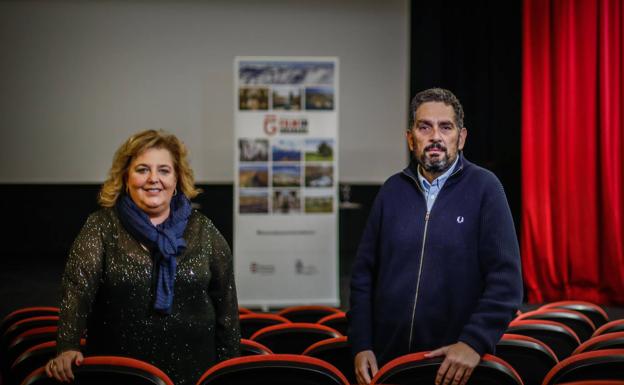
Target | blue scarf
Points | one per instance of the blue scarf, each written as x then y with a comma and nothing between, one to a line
165,241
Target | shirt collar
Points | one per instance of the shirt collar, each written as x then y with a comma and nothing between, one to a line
439,181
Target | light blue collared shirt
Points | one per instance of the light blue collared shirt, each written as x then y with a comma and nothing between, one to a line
431,190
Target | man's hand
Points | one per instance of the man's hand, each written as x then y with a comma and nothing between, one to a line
458,364
364,361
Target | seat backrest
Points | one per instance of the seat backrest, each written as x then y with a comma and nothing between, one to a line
276,369
251,323
595,365
252,348
26,312
415,368
596,313
293,338
309,313
17,316
610,327
243,310
605,341
336,351
28,339
579,322
25,324
33,358
337,321
531,358
107,370
557,336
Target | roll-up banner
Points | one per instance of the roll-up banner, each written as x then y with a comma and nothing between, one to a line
286,177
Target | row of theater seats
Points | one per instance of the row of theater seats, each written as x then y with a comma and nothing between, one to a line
558,343
548,345
285,369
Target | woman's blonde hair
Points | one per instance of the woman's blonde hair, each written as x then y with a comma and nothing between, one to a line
116,181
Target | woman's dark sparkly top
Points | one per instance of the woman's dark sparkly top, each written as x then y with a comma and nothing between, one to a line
108,290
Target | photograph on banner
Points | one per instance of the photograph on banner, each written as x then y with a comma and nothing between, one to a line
319,98
263,72
253,98
319,201
252,201
321,175
286,175
253,150
286,150
253,175
319,149
286,201
286,190
286,98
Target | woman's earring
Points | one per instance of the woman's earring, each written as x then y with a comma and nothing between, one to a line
175,191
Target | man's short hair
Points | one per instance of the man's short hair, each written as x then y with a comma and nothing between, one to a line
437,95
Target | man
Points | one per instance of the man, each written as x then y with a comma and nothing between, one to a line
438,266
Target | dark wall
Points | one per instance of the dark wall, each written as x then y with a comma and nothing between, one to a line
41,220
474,49
45,218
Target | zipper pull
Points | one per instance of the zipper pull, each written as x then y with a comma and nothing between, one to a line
427,216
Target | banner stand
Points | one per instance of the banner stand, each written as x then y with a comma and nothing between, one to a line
286,181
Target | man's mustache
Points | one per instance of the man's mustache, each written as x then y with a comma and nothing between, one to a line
436,145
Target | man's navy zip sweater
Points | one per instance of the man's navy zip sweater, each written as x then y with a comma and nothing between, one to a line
423,280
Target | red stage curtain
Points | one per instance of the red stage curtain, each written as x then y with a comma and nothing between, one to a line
572,139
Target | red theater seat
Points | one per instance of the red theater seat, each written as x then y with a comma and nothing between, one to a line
336,351
251,323
597,314
610,327
414,369
605,341
276,369
293,338
244,310
596,365
310,313
577,321
107,370
253,348
336,321
10,320
557,336
531,358
26,312
28,339
25,324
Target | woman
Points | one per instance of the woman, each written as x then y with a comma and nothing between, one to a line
148,277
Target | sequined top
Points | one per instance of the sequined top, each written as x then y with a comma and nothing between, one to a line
108,289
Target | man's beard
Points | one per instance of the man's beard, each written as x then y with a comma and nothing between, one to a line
438,165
